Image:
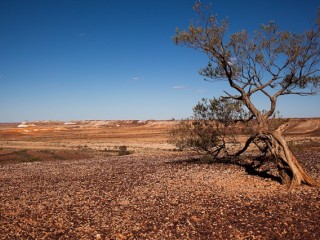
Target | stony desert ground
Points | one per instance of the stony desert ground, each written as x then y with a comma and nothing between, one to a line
69,180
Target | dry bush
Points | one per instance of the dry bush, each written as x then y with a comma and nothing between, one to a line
211,128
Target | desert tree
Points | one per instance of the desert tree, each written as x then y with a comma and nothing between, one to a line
270,63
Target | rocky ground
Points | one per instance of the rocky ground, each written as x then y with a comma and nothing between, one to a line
165,196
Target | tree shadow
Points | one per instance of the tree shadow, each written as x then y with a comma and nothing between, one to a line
250,167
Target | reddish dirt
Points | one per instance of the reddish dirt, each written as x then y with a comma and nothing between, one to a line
152,197
60,192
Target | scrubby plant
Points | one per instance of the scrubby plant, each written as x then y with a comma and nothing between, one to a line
211,128
122,151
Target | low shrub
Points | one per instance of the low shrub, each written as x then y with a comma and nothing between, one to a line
122,151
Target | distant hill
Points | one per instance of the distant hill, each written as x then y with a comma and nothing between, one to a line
310,126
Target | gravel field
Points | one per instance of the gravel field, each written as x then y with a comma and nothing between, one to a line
164,196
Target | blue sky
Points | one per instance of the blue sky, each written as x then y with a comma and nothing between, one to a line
92,59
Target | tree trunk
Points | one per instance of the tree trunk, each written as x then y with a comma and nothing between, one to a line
290,170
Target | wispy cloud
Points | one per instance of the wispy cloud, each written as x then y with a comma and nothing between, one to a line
201,90
179,87
136,78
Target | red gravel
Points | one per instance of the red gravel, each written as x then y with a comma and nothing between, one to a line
153,197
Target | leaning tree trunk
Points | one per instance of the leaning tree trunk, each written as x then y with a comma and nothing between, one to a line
291,172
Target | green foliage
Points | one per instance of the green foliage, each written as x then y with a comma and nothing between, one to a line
210,128
223,110
269,62
195,135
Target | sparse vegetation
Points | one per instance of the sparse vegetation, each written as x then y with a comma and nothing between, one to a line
159,193
24,156
118,150
46,151
122,151
220,179
211,129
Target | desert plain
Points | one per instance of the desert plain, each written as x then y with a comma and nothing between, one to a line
123,180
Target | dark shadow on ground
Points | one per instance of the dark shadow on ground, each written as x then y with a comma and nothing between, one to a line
250,167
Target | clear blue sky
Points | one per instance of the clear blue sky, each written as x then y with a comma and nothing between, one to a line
92,59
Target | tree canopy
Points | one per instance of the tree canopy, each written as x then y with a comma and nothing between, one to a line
269,62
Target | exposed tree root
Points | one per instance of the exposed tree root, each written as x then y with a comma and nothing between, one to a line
290,170
280,150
